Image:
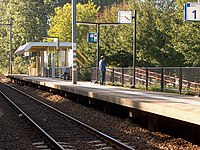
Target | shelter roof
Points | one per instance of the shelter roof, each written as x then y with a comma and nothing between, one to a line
40,45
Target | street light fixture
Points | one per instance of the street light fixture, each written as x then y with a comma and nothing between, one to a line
74,68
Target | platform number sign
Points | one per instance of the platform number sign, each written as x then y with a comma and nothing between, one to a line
192,11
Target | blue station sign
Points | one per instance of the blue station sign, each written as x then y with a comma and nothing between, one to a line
92,37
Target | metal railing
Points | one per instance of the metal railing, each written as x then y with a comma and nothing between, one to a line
180,79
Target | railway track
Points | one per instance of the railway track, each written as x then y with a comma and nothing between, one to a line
61,130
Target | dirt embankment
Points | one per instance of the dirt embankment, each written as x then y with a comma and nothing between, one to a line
3,77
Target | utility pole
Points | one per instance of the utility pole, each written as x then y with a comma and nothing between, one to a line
98,49
134,49
10,56
74,69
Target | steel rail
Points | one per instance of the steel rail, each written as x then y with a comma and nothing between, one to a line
103,136
54,142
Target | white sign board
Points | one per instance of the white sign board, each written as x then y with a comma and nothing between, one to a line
124,17
192,11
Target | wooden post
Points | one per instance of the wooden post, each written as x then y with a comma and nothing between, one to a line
113,76
180,80
147,76
162,79
122,76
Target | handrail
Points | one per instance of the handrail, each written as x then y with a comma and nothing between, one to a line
125,74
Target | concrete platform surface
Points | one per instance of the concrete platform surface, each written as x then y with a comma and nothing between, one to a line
181,107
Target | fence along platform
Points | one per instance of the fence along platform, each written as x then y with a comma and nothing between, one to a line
177,79
180,107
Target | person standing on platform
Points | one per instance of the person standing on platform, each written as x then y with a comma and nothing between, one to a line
102,68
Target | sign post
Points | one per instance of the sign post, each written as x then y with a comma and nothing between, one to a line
10,56
134,49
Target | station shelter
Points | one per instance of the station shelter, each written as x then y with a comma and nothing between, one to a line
47,58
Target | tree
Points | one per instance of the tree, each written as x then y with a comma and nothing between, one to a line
186,37
4,36
61,25
115,41
30,22
162,39
155,35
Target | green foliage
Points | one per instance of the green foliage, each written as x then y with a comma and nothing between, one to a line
154,36
107,3
84,73
20,65
163,38
61,26
115,41
186,38
157,41
30,23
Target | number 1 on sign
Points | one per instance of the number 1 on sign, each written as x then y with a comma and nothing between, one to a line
195,14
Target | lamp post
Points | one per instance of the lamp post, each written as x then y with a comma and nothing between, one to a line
134,49
10,56
10,60
74,69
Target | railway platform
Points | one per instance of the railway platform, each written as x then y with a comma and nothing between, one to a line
175,106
